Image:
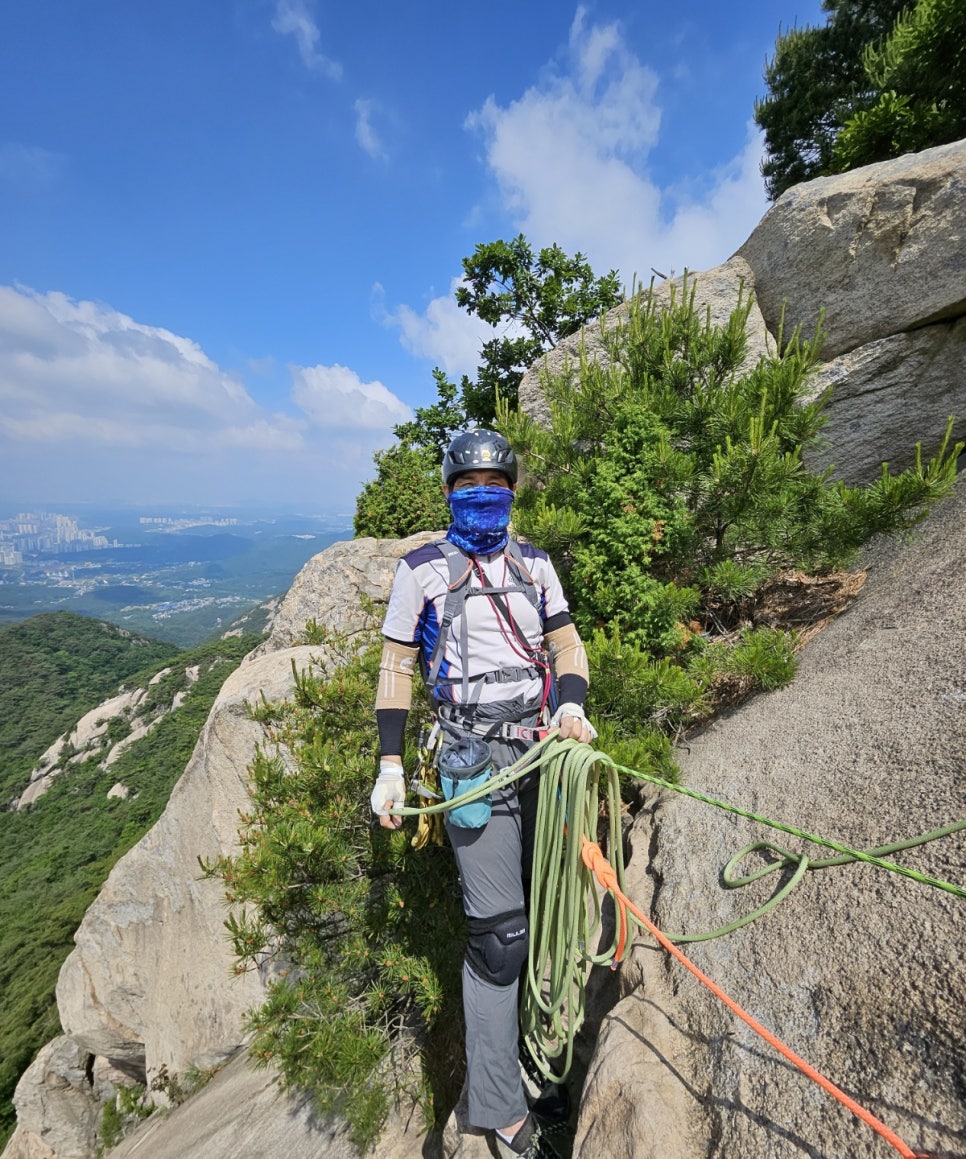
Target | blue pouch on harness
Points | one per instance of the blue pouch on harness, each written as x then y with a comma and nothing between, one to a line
464,766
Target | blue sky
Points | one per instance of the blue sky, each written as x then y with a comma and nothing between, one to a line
230,231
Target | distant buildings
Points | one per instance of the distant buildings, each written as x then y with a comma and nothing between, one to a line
180,522
31,533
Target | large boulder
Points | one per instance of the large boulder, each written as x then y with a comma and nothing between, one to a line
877,251
331,588
888,395
859,970
57,1113
150,984
878,256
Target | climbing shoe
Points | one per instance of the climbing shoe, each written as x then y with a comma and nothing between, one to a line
529,1142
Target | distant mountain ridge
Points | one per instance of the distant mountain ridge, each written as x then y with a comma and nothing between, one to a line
53,668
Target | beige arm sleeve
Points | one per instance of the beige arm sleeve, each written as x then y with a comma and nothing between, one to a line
568,652
396,670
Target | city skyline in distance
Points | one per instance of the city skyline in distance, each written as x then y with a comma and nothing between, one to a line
174,576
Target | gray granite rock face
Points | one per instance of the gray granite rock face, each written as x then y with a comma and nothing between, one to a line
859,970
150,983
888,395
330,587
57,1112
718,290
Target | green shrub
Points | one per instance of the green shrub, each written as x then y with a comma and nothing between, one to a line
406,495
670,483
366,932
122,1114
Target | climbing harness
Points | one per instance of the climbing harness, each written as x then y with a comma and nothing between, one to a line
565,908
535,664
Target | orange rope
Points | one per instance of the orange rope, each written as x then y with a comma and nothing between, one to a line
593,857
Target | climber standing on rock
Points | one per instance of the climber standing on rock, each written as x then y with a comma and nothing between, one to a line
486,619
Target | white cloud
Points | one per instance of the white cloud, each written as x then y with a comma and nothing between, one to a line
366,136
444,333
335,398
294,18
96,405
570,162
123,382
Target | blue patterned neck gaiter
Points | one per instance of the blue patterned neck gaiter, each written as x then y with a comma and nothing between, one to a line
481,516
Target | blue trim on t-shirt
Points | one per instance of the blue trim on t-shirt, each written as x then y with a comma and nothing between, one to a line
528,551
427,633
420,555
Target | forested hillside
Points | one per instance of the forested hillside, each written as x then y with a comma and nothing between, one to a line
53,669
55,855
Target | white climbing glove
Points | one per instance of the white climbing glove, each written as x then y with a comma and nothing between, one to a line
390,786
577,711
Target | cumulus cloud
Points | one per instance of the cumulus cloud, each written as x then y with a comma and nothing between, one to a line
570,162
294,18
366,136
443,332
120,382
570,155
106,407
336,398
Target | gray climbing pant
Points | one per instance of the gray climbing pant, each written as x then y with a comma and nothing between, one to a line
494,865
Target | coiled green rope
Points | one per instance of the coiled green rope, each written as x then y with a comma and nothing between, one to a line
565,913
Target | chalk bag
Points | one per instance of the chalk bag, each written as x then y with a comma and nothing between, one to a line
464,766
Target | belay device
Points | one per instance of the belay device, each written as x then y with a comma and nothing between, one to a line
463,766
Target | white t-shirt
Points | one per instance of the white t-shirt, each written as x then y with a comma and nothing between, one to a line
417,603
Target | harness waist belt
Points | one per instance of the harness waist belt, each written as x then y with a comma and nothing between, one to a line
497,676
506,729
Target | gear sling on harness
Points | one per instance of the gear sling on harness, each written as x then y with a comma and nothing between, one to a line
469,716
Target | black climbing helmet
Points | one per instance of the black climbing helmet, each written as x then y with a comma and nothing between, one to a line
476,450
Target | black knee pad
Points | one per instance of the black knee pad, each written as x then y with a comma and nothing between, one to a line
497,947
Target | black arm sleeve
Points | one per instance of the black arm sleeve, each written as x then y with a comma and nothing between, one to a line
571,689
560,620
391,723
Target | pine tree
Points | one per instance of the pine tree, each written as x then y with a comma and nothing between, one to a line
670,485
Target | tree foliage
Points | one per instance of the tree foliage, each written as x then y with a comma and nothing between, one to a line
405,497
539,298
917,72
535,299
816,82
670,484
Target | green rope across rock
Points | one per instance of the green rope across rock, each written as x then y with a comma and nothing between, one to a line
580,798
